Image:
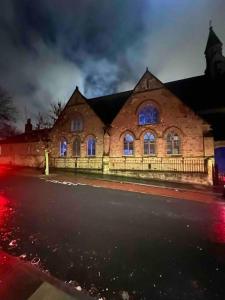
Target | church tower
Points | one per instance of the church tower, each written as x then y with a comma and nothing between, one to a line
215,61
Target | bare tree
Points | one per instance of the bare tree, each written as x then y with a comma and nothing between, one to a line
7,115
42,121
55,110
47,120
7,109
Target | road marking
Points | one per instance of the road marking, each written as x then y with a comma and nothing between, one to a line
63,182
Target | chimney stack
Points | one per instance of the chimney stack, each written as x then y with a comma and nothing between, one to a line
28,126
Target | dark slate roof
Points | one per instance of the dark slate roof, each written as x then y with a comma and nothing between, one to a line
107,107
32,136
203,96
212,40
192,91
200,93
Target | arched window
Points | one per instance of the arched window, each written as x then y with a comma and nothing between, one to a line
77,124
148,114
149,144
128,144
76,147
63,147
173,143
91,145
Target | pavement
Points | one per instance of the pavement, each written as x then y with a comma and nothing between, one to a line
164,189
22,281
191,192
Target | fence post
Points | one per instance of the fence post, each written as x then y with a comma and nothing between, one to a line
46,163
105,164
210,170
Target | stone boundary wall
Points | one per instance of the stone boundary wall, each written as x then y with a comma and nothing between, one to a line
35,161
198,172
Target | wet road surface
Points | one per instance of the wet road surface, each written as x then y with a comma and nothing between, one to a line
114,243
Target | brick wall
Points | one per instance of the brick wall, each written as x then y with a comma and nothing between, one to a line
23,154
174,115
93,126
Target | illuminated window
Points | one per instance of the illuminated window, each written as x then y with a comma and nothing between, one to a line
173,143
63,147
148,114
128,144
76,147
149,144
77,124
91,143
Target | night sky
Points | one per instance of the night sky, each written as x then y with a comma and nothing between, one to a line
103,46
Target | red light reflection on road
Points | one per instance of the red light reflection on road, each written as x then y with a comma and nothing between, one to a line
3,209
2,170
5,170
218,223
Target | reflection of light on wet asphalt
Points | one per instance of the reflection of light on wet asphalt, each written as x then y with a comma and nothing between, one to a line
4,210
28,246
217,230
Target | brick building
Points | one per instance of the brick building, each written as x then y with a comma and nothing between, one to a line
159,131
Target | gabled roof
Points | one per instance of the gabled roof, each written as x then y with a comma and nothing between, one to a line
212,39
107,107
148,82
199,92
203,96
28,137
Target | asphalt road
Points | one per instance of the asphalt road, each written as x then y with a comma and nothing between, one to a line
113,241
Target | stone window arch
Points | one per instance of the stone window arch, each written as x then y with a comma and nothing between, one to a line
148,114
128,144
173,143
76,146
63,148
149,143
77,123
91,146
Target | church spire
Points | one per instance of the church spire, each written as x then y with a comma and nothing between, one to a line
213,39
215,61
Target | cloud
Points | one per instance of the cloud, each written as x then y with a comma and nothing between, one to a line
50,46
38,77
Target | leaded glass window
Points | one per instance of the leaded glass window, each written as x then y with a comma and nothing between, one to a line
173,143
128,144
149,144
63,147
77,124
148,114
91,144
76,147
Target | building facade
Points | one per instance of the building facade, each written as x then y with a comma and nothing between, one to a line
147,132
157,131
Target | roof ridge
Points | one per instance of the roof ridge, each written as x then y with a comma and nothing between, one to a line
109,95
187,78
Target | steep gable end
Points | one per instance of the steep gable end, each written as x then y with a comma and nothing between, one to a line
148,82
76,99
76,104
